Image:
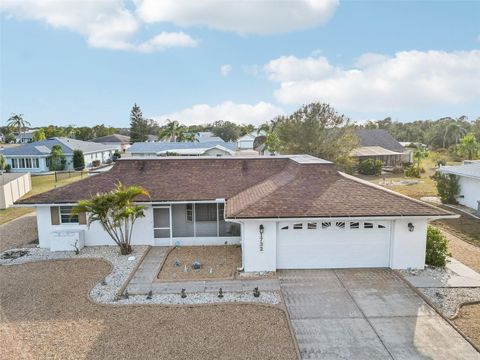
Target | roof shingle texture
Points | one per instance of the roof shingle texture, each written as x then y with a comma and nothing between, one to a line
253,188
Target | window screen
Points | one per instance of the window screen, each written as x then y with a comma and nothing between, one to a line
206,212
66,216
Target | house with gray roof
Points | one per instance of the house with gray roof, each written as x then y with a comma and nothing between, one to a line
380,145
121,141
33,157
207,148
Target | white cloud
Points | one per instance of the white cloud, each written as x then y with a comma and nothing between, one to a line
258,17
408,80
228,111
225,69
291,68
105,23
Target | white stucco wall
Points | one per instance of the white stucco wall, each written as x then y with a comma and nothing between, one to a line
407,249
255,258
470,191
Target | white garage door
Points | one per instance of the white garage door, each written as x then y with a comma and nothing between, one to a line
333,244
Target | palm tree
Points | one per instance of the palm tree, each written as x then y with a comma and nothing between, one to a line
187,136
469,146
116,212
171,130
17,121
454,131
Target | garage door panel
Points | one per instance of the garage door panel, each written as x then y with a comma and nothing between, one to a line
333,245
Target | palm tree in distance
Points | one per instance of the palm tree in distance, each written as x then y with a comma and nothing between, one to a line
17,121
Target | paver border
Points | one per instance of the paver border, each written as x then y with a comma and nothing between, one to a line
132,273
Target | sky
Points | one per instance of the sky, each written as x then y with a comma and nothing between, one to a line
82,63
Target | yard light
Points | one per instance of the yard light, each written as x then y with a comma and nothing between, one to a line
220,293
149,295
411,227
183,294
256,292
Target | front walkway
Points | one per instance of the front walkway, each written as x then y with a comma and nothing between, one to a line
145,280
366,314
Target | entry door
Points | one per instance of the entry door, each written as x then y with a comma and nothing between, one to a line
162,225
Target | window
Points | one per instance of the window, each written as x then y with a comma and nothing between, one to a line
340,225
22,163
36,163
312,225
221,208
298,226
14,163
66,216
354,225
326,225
28,163
206,212
189,212
368,225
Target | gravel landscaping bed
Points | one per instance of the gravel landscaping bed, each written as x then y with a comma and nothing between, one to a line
45,314
468,321
217,262
448,300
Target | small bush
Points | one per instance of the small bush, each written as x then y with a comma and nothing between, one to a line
78,160
370,167
411,171
437,248
448,187
96,163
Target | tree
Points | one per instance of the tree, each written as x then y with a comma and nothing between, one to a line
447,187
171,131
316,129
3,163
272,142
56,160
17,121
138,125
469,147
454,131
39,135
116,212
78,160
226,130
419,154
437,248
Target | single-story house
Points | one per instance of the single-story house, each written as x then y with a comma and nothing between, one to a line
25,137
286,212
122,142
246,142
33,157
164,148
380,145
469,181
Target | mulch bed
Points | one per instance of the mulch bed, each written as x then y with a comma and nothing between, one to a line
223,260
468,321
45,313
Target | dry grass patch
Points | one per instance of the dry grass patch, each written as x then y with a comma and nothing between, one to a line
19,233
468,321
223,260
45,313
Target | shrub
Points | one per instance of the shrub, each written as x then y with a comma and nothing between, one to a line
437,248
448,187
96,163
411,171
370,167
78,160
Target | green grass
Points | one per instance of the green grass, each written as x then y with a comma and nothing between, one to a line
40,184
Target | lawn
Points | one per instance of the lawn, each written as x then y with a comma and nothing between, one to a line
45,314
40,184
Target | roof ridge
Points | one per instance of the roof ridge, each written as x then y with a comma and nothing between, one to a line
288,179
376,186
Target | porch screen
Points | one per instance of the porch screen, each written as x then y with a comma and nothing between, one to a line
161,222
206,219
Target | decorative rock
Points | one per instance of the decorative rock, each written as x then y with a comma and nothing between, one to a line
177,263
196,265
149,295
131,258
185,268
183,295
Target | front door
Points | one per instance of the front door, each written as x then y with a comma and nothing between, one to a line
162,225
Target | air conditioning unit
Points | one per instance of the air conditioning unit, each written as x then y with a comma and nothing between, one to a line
67,240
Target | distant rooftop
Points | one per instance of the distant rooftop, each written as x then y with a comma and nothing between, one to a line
471,170
114,138
378,137
159,147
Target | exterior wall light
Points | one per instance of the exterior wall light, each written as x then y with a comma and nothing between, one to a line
411,227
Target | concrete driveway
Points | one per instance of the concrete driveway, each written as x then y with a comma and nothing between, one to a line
366,314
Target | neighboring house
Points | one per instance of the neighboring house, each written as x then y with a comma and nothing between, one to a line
214,148
286,212
33,157
246,142
13,187
25,137
151,138
121,141
469,181
379,144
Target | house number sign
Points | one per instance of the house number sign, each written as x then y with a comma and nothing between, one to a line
262,229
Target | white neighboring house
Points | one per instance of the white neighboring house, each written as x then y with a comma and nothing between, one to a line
469,181
246,141
33,157
164,148
286,212
25,137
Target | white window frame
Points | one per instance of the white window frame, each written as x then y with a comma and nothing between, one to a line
64,214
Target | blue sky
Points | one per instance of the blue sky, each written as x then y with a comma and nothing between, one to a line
84,65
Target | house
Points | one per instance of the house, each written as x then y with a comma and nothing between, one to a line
246,142
208,148
120,141
469,181
151,138
33,157
379,144
25,137
286,212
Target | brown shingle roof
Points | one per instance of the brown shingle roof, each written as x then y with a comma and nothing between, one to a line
267,187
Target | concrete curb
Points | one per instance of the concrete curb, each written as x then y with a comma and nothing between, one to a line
432,305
